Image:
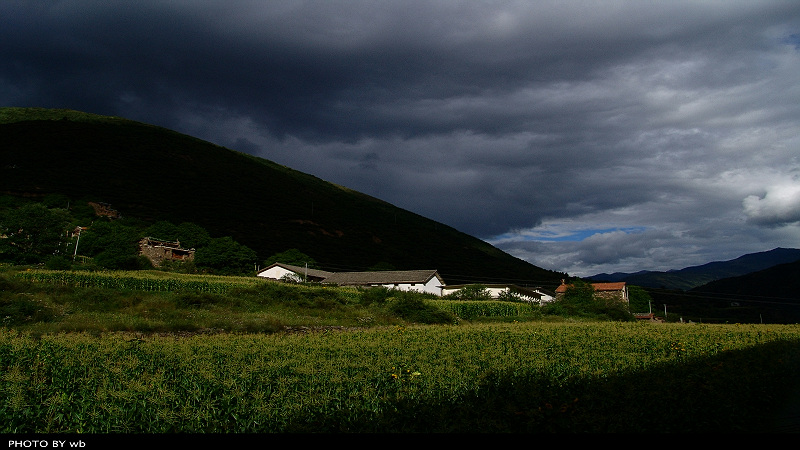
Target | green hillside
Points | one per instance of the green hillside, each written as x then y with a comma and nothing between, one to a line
154,174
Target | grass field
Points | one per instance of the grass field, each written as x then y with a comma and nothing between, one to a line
517,377
49,301
519,373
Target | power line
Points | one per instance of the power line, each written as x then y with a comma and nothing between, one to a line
725,296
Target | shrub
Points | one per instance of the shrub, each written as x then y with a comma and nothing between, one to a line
580,301
471,292
58,262
415,309
195,299
509,296
377,295
22,308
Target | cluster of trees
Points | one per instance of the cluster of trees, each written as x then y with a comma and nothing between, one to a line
51,234
580,300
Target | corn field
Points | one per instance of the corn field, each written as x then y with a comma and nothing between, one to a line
469,310
143,281
521,377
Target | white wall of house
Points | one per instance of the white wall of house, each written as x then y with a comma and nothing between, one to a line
496,291
546,298
276,273
433,286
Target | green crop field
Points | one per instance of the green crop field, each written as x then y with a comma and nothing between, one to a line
162,353
151,280
515,377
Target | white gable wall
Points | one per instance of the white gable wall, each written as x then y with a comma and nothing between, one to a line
276,273
432,286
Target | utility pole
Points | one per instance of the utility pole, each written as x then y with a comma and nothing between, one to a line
76,244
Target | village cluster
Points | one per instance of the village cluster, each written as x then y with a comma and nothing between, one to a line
425,281
428,281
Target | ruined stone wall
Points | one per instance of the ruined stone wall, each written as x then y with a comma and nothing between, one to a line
159,253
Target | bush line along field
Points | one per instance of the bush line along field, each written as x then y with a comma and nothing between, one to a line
518,377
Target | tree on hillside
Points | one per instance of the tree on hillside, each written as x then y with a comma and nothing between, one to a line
113,245
638,299
292,256
32,233
382,266
579,301
162,230
580,292
225,256
190,235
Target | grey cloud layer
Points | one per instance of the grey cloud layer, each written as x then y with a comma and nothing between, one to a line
676,119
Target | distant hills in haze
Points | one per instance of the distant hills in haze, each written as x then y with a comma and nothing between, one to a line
152,174
690,278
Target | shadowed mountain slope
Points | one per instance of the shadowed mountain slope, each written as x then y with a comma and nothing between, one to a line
152,173
779,283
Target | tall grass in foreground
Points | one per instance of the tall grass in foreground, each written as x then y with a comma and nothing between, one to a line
567,377
470,310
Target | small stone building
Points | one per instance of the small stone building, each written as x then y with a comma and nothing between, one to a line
158,251
615,291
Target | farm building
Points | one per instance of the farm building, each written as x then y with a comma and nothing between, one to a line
405,280
158,251
617,290
280,271
533,295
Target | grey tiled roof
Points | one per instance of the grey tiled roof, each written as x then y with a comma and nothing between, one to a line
381,277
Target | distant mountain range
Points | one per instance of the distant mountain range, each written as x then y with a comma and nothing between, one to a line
693,277
150,173
777,284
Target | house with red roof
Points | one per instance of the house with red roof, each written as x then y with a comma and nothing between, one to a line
618,290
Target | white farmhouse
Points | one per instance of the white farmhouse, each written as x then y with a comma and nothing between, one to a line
279,271
427,281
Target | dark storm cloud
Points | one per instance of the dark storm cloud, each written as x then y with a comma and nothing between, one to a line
652,133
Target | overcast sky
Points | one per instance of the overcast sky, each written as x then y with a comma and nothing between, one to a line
582,136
